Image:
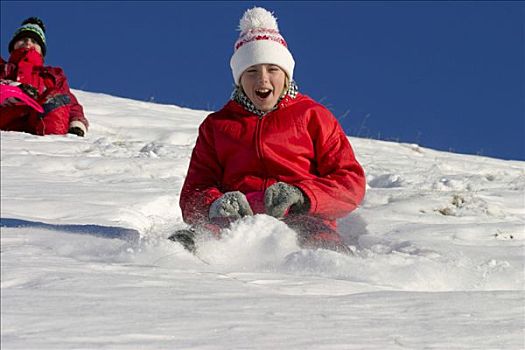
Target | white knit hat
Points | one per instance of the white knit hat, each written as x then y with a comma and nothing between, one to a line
260,43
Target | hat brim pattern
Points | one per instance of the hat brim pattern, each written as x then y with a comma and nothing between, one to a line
28,32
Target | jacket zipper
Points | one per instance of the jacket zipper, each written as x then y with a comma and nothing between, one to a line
259,149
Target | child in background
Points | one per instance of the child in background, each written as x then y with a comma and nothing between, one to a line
47,85
270,150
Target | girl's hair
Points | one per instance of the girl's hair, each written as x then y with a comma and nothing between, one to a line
286,85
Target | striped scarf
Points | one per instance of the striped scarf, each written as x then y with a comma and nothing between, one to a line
240,97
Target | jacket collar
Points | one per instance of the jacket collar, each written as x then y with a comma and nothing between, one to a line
27,55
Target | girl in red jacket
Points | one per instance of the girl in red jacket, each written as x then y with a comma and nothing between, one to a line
270,150
47,85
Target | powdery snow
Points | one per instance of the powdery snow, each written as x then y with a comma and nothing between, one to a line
438,247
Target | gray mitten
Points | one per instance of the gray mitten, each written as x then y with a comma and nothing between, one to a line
29,90
231,205
76,131
280,197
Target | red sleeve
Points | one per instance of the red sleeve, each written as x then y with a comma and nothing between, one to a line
340,183
77,112
201,186
62,87
7,70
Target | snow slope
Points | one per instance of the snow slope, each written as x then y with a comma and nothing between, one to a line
438,242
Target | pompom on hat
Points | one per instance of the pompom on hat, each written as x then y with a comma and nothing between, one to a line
260,43
34,28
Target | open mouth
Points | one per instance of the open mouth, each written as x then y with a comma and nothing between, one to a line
263,93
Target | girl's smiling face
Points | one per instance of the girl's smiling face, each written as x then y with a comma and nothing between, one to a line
263,84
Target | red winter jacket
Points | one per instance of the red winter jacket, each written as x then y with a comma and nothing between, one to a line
300,143
61,108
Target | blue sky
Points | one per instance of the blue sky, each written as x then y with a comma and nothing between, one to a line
444,75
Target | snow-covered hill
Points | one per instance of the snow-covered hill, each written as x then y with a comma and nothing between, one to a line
438,241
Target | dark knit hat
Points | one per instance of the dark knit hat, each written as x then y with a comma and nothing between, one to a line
34,28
